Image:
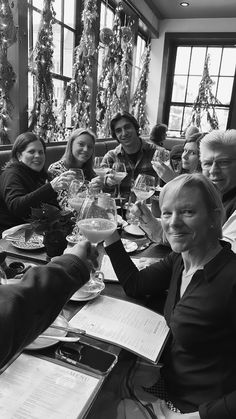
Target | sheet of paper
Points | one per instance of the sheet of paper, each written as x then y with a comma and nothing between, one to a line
34,388
109,273
125,324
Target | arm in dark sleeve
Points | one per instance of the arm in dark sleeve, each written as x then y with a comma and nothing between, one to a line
18,198
224,407
149,281
28,308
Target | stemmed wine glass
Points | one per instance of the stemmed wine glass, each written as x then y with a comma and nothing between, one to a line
119,173
76,183
100,168
143,188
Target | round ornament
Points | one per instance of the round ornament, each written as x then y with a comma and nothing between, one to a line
126,34
106,36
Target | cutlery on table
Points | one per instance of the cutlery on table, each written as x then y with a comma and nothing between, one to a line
68,329
59,338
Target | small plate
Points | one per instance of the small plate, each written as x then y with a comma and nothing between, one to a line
134,230
41,343
77,297
34,243
129,245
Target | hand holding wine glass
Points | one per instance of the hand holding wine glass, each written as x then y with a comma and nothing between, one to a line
143,188
119,173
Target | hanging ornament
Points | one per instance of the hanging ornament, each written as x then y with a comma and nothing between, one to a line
106,36
126,34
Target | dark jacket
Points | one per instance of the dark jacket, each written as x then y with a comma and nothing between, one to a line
28,308
21,189
200,357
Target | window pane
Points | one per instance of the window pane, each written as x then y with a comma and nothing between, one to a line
214,62
228,62
68,53
225,90
69,13
30,93
106,17
36,25
187,117
176,113
182,60
38,4
179,89
193,88
57,47
58,98
197,60
222,114
56,4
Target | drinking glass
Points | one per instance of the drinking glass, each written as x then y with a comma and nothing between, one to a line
144,187
100,168
99,218
119,173
76,184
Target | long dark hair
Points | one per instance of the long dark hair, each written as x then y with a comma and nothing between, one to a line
68,157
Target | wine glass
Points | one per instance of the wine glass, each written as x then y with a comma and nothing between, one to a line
143,188
119,173
100,168
77,183
99,218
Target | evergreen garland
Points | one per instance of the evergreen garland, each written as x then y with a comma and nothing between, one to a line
138,103
42,116
205,101
78,92
7,75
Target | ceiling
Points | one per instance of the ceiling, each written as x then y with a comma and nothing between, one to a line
171,9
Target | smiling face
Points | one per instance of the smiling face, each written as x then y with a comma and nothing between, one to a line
82,148
219,165
126,134
190,157
186,220
33,156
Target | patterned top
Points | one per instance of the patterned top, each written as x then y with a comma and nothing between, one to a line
142,164
55,169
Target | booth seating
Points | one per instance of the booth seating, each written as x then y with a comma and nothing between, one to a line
55,150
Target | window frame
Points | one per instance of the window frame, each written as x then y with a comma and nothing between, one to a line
174,40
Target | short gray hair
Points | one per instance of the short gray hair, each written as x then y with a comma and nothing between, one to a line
219,138
211,196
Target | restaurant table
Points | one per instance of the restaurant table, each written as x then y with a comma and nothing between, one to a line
113,289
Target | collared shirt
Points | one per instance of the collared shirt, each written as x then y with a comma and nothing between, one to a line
229,202
142,165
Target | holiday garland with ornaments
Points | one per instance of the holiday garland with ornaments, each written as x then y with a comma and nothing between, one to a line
7,74
42,116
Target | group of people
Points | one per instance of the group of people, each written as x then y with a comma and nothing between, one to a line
198,377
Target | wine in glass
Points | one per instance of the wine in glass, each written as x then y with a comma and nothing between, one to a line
100,168
99,218
119,173
77,183
144,187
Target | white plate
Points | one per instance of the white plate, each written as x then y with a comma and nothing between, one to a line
41,343
129,245
134,230
34,243
77,297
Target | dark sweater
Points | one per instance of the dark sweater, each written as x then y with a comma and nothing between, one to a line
21,189
199,359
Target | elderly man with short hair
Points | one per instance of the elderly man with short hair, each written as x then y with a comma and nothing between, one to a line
218,161
133,151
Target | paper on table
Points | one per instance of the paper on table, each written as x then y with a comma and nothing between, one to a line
109,273
33,387
124,324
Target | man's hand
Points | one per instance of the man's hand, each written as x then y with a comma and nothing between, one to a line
86,252
164,172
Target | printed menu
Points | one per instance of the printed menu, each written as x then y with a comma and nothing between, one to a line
125,324
32,387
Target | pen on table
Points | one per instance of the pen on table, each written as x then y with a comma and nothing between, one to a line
69,329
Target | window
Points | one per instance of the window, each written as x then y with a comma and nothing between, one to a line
63,40
185,73
141,43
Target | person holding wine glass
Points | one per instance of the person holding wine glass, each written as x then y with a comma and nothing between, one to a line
133,152
79,157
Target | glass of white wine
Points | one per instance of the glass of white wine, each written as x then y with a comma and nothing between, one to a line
119,173
100,168
144,187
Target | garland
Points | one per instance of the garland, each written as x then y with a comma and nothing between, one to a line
78,92
7,74
138,103
205,101
114,82
42,116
